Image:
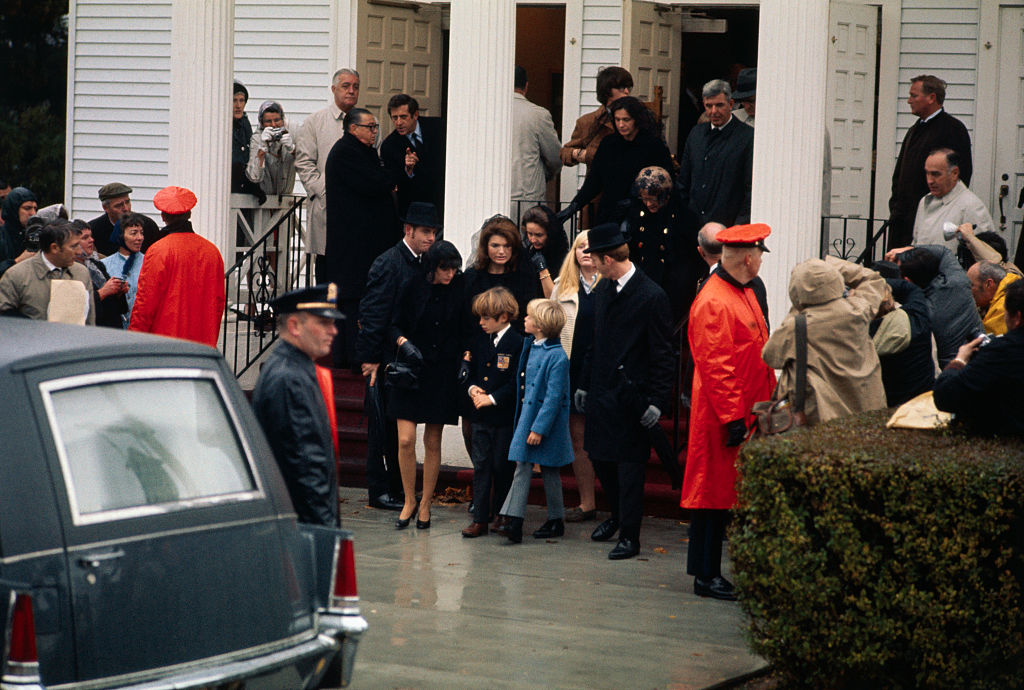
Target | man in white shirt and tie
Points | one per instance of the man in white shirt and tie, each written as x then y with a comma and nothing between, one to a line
414,154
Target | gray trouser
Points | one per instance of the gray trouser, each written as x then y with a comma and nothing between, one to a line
515,503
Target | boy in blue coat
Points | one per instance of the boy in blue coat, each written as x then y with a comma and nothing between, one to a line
541,433
494,353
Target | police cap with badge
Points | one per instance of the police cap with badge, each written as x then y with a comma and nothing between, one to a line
319,300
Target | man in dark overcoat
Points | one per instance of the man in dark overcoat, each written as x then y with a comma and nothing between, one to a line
388,275
414,154
290,406
627,382
361,219
716,170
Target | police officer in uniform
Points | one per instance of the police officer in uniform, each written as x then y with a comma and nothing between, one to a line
290,405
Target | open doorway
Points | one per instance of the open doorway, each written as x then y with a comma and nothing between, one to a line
540,50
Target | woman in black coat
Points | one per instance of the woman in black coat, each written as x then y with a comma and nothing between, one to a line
545,243
500,263
636,144
427,330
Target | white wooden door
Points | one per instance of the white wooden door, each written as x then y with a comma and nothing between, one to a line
853,31
400,51
1009,153
654,46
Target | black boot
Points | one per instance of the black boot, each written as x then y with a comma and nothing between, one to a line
514,530
551,528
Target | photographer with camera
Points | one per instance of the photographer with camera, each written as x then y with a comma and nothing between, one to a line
18,207
272,152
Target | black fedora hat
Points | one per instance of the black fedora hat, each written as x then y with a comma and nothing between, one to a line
422,214
746,84
603,237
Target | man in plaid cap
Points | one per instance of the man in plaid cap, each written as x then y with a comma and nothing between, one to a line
181,287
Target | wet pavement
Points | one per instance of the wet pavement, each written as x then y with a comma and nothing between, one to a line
449,612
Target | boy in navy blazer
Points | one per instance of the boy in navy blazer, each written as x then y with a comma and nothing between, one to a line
494,358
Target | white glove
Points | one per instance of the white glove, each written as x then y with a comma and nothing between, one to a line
265,138
287,142
650,417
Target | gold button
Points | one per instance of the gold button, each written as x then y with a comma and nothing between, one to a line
488,364
485,378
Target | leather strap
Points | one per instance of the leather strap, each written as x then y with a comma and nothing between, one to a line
801,363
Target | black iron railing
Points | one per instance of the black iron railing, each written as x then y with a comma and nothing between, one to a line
274,264
861,240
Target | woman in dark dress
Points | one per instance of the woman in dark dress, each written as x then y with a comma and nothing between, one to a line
500,263
574,291
427,331
636,144
545,243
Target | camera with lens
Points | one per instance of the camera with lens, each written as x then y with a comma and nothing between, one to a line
32,228
277,132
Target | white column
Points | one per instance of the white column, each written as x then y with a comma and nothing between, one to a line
479,159
792,63
199,151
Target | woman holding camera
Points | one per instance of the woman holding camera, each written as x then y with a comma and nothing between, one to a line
272,152
427,331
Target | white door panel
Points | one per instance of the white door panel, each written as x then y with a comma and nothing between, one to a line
1009,140
655,50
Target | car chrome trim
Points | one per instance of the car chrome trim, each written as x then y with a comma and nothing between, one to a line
206,527
216,670
48,387
30,555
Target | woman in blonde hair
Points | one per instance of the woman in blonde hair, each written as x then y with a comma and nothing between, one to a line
574,292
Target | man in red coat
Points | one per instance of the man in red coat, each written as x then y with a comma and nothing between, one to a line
181,287
727,330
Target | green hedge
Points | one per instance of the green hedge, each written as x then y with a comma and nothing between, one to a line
876,558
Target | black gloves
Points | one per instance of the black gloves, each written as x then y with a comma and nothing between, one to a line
410,354
737,429
538,262
463,374
567,212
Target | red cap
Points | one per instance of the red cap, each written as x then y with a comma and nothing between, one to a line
174,200
744,235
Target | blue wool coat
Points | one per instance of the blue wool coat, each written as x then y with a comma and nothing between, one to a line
542,405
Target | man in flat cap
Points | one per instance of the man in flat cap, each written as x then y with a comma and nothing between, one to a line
290,406
116,203
181,286
626,383
727,331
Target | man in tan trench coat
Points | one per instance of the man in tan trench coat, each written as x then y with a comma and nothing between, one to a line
843,372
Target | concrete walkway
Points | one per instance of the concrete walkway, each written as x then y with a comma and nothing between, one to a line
448,612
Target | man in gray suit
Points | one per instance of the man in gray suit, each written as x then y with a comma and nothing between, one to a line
26,288
535,149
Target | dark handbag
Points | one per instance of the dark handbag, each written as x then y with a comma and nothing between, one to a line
401,376
779,416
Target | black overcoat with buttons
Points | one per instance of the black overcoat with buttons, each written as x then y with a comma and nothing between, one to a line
632,329
430,316
493,368
715,174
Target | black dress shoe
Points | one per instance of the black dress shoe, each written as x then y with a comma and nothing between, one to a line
716,588
422,524
514,530
551,528
401,523
387,502
626,548
606,530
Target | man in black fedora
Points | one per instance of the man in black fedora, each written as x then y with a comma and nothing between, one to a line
627,383
388,273
290,406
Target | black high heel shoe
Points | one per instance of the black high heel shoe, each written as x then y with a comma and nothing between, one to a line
402,523
422,524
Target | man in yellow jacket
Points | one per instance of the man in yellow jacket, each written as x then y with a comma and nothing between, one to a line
988,286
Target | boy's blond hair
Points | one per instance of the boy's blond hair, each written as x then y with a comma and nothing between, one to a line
495,302
548,315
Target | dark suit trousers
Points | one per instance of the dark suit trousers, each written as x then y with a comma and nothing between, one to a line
344,348
623,484
704,554
490,466
382,473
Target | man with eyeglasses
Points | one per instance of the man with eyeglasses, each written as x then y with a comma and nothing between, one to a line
362,222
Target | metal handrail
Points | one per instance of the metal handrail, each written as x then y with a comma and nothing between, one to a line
845,244
274,264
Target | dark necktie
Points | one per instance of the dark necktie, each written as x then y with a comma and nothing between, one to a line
57,274
494,339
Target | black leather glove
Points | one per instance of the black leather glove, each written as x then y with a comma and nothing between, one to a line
538,262
410,354
737,429
567,212
463,374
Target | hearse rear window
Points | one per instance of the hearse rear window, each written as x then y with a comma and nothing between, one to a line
142,442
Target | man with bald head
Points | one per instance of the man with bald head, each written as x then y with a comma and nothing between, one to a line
314,140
